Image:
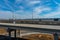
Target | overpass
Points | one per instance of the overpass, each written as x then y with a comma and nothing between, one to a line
33,27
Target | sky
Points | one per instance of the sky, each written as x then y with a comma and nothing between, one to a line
23,9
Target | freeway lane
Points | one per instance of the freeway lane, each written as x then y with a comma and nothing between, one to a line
32,27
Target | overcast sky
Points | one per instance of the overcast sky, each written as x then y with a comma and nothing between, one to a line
23,9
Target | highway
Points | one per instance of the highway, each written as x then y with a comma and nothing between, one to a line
32,27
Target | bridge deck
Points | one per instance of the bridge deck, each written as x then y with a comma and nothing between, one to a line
33,25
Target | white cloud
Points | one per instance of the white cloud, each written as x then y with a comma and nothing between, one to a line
26,15
7,4
21,14
5,14
21,7
18,1
56,2
39,10
53,14
33,2
9,15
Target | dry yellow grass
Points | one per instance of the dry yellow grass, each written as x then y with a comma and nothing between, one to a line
39,37
2,31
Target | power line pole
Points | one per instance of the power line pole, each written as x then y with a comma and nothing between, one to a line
13,15
32,16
